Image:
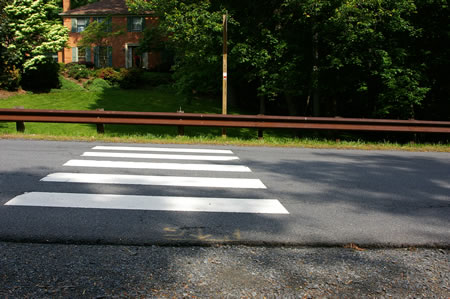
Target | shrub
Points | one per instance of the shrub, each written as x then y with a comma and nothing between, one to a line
130,78
97,85
88,64
62,67
43,77
77,71
10,78
109,74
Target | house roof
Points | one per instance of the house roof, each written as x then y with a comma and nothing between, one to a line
102,7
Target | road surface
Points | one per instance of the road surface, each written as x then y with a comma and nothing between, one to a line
82,192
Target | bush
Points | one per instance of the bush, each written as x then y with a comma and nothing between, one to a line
88,64
10,78
96,85
77,71
62,67
130,78
109,74
42,78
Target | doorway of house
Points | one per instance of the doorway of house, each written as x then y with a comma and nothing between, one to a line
134,58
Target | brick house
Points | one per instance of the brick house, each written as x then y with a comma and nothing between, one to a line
121,50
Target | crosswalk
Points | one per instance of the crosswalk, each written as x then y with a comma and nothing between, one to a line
147,159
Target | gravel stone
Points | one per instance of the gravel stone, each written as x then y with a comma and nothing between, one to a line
99,271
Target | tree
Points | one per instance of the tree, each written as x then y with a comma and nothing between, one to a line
36,30
77,3
99,33
352,58
434,57
193,32
9,74
371,48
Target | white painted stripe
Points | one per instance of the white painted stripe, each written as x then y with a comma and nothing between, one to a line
167,166
159,203
95,178
161,149
160,156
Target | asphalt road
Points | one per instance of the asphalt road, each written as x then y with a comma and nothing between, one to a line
333,197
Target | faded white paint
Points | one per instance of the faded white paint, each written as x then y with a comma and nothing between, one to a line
159,203
96,178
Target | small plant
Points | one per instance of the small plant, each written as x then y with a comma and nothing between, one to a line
109,74
77,71
62,67
10,78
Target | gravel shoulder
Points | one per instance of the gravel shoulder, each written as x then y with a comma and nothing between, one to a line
99,271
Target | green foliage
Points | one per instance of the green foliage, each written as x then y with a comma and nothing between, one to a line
77,71
374,58
109,74
42,77
77,3
97,85
131,78
36,31
99,33
10,78
193,33
9,72
152,40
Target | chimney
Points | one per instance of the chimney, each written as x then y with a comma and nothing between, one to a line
66,5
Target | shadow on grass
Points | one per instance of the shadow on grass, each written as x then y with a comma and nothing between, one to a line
161,99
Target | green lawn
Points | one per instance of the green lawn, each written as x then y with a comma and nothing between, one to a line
73,97
162,99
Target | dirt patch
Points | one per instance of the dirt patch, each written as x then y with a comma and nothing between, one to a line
6,94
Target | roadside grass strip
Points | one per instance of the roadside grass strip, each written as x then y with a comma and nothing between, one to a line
151,165
94,178
155,203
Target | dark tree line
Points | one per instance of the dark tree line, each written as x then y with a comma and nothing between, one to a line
372,58
352,58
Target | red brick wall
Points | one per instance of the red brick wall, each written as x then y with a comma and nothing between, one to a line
117,43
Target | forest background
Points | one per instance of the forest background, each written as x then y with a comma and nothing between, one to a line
352,58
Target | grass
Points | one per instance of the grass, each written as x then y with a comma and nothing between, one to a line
72,96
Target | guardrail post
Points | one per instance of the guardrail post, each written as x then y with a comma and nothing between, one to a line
260,133
20,125
180,128
100,127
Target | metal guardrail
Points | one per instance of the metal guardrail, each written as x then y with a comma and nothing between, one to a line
260,122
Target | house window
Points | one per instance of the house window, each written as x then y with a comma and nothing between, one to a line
79,24
103,19
99,19
80,54
103,56
135,24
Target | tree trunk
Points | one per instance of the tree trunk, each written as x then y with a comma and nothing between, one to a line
262,105
315,73
313,91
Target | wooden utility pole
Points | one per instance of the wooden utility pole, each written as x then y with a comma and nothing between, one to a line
224,69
